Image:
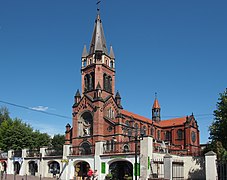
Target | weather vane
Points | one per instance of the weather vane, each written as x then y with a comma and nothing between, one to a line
98,5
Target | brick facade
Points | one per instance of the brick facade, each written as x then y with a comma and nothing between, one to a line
98,114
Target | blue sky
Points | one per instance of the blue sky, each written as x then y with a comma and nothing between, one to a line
175,48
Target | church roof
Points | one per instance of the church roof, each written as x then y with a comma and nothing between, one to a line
173,122
136,116
84,53
77,93
98,41
118,95
163,123
111,53
156,104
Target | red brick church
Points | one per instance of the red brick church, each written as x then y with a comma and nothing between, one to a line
98,114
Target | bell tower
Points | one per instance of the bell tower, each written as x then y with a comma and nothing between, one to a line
98,66
156,110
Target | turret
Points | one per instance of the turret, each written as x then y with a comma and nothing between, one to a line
67,133
156,110
118,100
77,97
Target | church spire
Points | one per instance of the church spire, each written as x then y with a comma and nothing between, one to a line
84,53
98,41
156,110
111,53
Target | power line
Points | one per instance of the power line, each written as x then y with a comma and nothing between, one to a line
31,109
196,115
67,117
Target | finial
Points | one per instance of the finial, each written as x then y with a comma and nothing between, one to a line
155,95
98,5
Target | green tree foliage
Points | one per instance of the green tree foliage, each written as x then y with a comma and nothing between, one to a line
4,114
57,142
218,129
15,134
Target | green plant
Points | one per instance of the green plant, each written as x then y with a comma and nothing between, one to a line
109,176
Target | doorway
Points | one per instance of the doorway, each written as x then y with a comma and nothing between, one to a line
120,170
81,170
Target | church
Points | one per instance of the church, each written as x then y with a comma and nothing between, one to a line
100,123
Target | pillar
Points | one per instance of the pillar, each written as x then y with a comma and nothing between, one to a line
168,163
97,163
146,150
210,165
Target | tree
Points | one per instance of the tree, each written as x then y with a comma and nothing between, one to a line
218,132
17,135
4,114
57,142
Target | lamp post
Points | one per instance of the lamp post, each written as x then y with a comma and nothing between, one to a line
137,134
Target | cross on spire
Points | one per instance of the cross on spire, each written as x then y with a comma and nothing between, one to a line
98,5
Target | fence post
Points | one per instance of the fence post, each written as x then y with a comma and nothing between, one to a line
97,163
146,149
210,165
168,166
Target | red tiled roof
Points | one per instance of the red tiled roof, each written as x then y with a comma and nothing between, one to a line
162,123
138,117
173,122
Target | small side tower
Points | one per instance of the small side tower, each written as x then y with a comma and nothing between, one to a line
156,110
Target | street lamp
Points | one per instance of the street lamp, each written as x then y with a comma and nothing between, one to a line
132,131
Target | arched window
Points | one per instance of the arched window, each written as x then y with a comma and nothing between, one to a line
152,131
84,63
85,148
126,148
144,130
107,83
179,134
104,81
136,126
107,145
112,145
85,83
168,136
110,113
159,135
111,64
127,123
92,82
110,84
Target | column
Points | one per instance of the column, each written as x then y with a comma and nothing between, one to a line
146,150
23,170
210,165
97,164
65,171
168,167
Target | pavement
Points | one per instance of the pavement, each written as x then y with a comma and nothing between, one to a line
18,177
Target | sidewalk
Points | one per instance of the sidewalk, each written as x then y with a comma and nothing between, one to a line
18,177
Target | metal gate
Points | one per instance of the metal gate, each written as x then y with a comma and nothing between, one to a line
222,169
178,169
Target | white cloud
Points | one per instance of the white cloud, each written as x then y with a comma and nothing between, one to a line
40,108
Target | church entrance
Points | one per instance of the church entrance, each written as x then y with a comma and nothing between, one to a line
121,170
81,170
33,167
16,167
